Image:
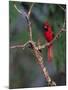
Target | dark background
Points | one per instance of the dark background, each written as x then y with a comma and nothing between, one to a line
24,71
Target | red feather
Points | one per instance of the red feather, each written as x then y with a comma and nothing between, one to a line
48,34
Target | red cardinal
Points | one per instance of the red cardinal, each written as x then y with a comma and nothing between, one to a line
48,34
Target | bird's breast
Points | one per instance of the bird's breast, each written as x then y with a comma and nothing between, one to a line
48,36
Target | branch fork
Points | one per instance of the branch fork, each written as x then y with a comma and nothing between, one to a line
35,48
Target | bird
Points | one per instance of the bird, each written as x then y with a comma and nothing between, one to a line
48,35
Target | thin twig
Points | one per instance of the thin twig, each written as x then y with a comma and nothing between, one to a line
19,11
35,49
61,7
20,46
17,46
29,12
28,20
58,33
56,36
39,46
30,30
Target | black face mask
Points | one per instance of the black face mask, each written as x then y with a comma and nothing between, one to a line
45,29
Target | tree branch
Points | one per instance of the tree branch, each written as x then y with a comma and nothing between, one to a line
20,46
29,12
39,59
61,7
29,22
56,36
28,19
20,12
35,48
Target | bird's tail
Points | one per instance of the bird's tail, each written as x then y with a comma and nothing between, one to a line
50,53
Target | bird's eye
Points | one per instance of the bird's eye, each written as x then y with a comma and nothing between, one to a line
46,28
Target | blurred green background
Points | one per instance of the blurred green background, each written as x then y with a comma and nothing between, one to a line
24,71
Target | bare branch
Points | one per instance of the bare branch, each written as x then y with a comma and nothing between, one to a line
28,19
35,48
61,7
19,11
56,36
29,22
29,12
58,33
20,46
39,59
17,46
30,30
